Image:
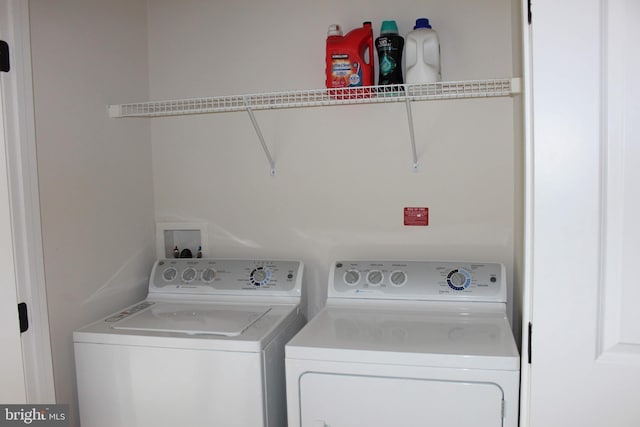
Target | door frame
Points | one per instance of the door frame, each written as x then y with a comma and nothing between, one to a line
24,202
580,95
527,262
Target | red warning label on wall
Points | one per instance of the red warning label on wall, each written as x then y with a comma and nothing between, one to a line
416,216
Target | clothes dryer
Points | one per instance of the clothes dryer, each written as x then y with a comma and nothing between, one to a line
408,344
205,348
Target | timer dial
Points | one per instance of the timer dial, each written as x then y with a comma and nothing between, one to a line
458,279
260,276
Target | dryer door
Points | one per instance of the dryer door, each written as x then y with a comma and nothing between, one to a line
339,400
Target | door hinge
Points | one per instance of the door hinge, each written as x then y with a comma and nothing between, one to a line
529,11
529,343
23,317
4,56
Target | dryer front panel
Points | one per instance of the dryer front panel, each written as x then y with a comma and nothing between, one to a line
343,400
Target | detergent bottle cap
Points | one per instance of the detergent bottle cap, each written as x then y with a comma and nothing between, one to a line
422,23
389,27
334,30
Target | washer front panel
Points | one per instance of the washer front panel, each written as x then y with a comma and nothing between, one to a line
213,276
419,280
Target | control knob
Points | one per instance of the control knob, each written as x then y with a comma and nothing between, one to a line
374,278
169,274
208,275
459,279
398,278
260,276
189,275
351,277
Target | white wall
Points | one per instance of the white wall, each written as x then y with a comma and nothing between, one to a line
95,175
344,173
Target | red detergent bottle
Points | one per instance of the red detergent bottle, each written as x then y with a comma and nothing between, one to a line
349,59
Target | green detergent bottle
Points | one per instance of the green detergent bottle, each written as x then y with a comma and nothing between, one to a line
389,47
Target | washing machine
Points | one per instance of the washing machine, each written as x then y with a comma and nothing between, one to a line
205,348
406,344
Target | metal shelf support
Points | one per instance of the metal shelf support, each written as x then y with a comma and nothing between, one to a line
267,153
412,136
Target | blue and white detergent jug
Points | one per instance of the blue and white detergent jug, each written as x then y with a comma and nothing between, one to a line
422,54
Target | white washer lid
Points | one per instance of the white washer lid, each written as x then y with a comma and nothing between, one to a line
194,319
436,336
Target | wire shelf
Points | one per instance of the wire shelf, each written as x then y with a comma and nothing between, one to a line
321,97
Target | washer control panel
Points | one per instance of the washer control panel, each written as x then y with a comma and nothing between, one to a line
420,280
211,276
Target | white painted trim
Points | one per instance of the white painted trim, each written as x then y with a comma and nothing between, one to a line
23,181
611,195
614,195
12,387
527,293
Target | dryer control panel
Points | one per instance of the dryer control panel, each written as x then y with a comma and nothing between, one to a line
226,276
418,280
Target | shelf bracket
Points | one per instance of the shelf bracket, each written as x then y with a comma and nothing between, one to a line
412,135
260,137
